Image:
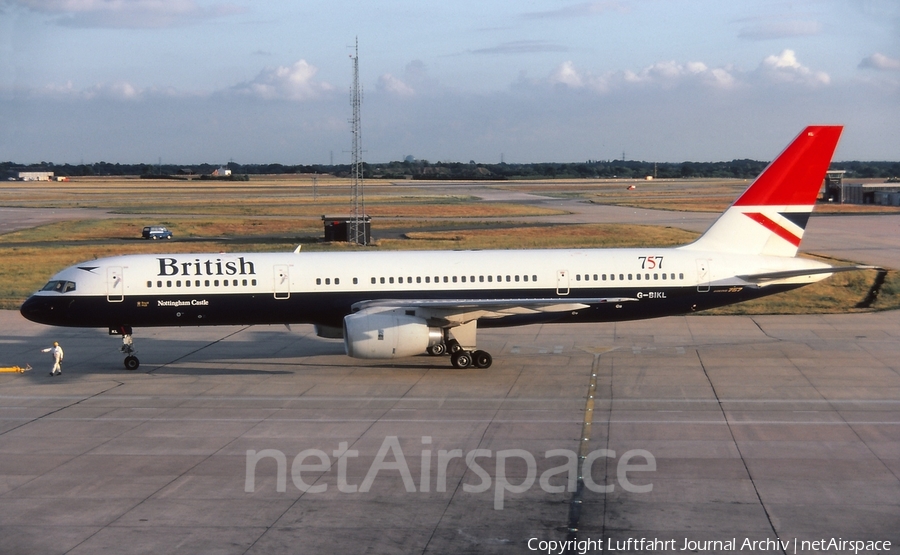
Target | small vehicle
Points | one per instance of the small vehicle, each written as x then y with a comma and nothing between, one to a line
156,232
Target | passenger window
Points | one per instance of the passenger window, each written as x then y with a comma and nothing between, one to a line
149,284
517,278
418,279
318,281
327,281
638,276
427,279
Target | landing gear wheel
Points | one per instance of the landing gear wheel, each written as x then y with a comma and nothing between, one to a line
437,350
482,359
132,363
461,359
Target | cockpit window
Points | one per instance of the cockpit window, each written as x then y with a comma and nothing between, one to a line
59,286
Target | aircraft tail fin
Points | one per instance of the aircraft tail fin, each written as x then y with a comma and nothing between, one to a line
769,218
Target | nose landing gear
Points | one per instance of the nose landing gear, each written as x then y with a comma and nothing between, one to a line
131,361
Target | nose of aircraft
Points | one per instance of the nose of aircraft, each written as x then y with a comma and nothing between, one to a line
41,310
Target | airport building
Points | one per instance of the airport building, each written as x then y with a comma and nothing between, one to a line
35,176
884,194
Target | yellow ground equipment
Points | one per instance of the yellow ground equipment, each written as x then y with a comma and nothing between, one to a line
14,369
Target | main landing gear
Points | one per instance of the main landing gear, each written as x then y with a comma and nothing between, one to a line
131,362
461,358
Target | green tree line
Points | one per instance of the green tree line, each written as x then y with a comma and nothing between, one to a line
423,169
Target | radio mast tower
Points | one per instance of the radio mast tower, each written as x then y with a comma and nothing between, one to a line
358,208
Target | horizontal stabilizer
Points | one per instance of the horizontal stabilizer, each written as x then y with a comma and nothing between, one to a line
786,274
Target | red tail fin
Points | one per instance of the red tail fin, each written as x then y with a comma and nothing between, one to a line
795,176
771,215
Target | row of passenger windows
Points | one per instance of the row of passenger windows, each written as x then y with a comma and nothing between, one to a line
206,283
429,279
501,278
612,277
454,279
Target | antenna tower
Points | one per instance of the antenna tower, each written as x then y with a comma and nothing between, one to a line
358,205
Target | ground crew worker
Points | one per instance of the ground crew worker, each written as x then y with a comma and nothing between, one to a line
57,358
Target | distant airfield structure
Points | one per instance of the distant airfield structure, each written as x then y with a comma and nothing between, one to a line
358,220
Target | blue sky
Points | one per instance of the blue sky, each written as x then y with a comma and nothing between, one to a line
532,81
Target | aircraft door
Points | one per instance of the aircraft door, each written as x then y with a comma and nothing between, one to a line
702,276
115,284
282,281
562,282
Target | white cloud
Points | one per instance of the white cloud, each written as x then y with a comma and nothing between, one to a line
566,74
779,69
881,62
785,68
128,13
664,74
119,90
285,83
393,85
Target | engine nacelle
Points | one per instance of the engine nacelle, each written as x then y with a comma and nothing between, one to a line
388,334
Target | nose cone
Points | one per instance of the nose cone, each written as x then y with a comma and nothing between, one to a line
42,310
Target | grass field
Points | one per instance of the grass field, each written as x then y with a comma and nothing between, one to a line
278,214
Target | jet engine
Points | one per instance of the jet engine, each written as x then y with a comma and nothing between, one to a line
388,334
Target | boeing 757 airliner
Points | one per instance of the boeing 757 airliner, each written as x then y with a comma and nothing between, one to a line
400,304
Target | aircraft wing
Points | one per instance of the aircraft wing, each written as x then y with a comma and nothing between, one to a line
458,311
766,277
